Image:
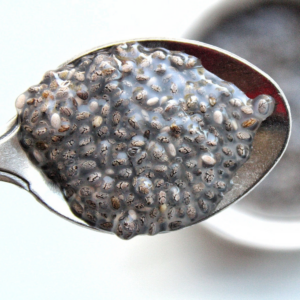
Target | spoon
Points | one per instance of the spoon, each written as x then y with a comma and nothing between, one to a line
268,146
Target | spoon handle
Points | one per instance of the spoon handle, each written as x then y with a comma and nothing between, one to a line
16,168
13,160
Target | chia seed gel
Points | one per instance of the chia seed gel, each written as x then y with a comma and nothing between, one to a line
139,140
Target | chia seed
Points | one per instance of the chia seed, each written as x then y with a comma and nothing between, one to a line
139,145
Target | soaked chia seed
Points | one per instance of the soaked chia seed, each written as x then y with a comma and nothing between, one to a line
139,140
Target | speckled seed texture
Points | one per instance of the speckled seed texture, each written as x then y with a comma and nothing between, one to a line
139,140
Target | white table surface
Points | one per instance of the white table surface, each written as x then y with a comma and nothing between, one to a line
44,257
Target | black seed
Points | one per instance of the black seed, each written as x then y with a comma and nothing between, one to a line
175,225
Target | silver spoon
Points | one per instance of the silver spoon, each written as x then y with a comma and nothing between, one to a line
269,144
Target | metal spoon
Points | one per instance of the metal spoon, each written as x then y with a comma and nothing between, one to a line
269,144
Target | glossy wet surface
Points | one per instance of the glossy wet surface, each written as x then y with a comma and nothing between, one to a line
139,140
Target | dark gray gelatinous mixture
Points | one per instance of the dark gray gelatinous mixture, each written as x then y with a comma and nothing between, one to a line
139,140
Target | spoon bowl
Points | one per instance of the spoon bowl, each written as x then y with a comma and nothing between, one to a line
269,143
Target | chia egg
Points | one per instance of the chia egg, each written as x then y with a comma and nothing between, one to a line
139,140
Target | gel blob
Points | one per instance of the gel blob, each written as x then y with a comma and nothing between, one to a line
139,140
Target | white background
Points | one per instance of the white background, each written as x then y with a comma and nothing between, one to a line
44,257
